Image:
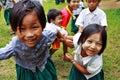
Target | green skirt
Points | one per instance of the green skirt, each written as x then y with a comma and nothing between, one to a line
49,73
77,75
74,28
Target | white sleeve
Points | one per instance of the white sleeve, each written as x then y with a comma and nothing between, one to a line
8,51
75,39
79,20
95,64
104,20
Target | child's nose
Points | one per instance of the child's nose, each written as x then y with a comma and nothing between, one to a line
93,45
29,33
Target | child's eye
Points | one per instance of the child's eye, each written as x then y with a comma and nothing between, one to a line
89,41
99,43
34,27
22,29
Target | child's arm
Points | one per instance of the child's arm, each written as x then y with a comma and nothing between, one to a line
7,51
76,64
80,28
67,40
0,7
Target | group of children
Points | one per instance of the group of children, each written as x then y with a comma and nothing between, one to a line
31,47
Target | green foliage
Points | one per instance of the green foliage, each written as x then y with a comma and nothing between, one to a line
111,60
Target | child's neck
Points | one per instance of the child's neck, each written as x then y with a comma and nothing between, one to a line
92,10
83,53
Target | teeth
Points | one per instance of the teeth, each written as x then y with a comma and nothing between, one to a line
30,40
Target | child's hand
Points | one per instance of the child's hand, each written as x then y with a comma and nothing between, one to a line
74,17
68,57
68,42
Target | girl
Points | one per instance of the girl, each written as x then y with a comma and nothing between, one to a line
30,47
67,11
76,13
87,62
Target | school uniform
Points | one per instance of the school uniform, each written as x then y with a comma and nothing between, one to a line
76,13
93,64
32,63
86,17
56,43
7,6
66,14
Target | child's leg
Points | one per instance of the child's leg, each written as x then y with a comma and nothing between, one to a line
64,50
55,46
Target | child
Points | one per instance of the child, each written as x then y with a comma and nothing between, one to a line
30,47
87,61
76,13
7,6
54,17
67,12
91,15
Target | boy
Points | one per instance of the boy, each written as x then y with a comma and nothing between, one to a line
54,17
91,15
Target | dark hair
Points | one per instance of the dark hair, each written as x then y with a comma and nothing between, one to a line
68,1
52,14
92,29
97,0
22,8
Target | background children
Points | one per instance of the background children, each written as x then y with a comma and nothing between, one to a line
67,11
58,1
54,17
91,15
7,6
87,62
76,13
30,47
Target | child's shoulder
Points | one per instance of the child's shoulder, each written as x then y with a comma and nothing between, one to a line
85,10
99,10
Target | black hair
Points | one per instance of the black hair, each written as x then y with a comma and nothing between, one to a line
98,0
52,14
68,1
92,29
22,8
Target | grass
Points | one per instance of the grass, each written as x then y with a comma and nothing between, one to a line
111,55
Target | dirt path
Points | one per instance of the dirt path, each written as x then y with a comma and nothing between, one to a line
109,4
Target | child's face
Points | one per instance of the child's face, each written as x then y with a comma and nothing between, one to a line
58,20
30,31
92,45
92,4
74,4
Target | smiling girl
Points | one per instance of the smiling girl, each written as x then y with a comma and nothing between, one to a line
87,61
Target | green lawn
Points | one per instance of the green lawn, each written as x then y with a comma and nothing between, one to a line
111,55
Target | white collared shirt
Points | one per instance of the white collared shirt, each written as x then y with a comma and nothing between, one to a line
93,64
85,18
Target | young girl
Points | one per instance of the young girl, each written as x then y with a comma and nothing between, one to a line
30,47
87,61
91,15
67,11
76,13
